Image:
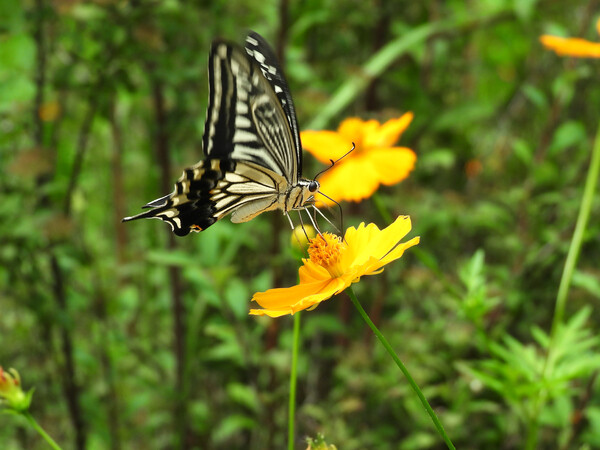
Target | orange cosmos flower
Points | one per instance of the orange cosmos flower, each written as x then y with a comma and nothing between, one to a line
335,264
579,48
374,161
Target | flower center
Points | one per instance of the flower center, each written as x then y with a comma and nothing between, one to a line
324,250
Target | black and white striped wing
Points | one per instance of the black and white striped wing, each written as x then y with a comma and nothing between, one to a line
251,142
247,120
212,189
260,51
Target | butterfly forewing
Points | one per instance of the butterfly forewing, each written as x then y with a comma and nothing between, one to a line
260,51
245,120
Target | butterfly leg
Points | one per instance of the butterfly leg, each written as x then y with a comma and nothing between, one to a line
302,225
326,219
290,219
314,223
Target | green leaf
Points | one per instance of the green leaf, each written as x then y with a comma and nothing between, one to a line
437,159
244,395
568,134
237,297
231,425
535,96
588,282
523,151
17,54
15,90
524,9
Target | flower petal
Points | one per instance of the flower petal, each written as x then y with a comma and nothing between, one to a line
278,302
270,312
354,129
325,145
358,241
389,237
368,242
374,265
311,272
398,251
335,286
576,47
392,164
351,179
388,134
284,298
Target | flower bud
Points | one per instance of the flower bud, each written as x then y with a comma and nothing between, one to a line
11,392
301,236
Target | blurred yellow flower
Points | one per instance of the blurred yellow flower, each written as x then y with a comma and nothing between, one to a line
50,111
576,47
11,393
374,161
335,264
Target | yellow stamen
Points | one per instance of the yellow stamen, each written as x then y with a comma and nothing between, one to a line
324,250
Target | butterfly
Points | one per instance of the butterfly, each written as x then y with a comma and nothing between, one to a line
251,141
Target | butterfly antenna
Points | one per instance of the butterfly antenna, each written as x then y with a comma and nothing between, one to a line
333,163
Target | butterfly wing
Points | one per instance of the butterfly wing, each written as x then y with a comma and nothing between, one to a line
212,189
246,119
260,51
250,139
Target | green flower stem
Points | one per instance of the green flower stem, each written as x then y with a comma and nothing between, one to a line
40,430
582,219
293,377
404,370
587,201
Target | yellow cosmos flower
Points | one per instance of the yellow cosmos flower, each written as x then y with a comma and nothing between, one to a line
335,264
579,48
374,161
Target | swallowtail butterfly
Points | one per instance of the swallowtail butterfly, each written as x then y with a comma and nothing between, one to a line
253,154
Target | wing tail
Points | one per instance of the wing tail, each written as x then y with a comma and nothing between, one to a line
189,207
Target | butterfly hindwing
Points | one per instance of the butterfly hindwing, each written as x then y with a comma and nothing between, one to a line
213,188
245,119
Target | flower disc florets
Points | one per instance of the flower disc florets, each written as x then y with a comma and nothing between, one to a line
324,250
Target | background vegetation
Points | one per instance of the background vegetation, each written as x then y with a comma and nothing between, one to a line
135,339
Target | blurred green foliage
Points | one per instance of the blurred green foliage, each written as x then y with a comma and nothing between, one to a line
132,341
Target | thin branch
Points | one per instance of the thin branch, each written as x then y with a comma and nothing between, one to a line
40,73
70,387
178,308
82,141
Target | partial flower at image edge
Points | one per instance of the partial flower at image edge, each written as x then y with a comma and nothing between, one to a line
575,47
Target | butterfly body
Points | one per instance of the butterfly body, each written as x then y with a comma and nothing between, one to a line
251,140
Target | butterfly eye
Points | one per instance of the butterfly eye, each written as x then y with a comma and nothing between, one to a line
313,186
